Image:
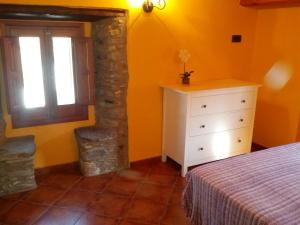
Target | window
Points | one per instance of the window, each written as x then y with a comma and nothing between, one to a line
63,70
31,62
48,70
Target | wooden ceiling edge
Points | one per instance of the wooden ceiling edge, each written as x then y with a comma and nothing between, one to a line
120,10
30,11
269,5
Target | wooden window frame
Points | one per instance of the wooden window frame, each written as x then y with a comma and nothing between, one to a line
83,75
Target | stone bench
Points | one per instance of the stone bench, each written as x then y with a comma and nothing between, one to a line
17,165
98,150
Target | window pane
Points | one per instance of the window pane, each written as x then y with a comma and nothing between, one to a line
63,68
34,94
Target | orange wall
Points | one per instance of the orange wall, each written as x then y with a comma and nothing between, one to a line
277,56
202,27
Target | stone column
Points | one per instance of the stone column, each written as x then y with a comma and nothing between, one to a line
2,124
111,78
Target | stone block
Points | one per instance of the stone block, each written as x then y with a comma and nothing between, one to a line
104,148
99,150
17,165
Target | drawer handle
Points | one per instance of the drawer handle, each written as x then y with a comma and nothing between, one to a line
203,106
241,120
200,149
239,140
202,126
243,101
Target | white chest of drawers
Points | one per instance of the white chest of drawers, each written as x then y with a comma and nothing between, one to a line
207,122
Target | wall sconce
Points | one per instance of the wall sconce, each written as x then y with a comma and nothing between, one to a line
148,5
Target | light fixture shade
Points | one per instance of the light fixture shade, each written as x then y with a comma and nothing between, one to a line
148,6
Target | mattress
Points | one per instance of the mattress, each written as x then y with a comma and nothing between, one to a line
253,189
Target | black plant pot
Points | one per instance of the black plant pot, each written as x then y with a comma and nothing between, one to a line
186,80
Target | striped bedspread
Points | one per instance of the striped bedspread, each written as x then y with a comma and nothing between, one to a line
253,189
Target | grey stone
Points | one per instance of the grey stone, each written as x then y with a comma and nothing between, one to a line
17,165
16,162
95,134
98,150
17,148
2,129
104,148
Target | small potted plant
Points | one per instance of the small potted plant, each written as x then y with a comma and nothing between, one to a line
184,57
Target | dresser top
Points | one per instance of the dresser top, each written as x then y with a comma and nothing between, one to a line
209,85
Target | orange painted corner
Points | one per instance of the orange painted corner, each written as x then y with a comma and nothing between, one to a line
204,28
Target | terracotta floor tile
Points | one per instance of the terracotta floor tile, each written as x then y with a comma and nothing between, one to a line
108,175
122,186
169,168
127,222
93,200
75,170
176,197
132,174
155,192
44,195
22,213
175,215
91,219
95,184
180,183
146,211
110,205
144,168
5,205
62,181
161,179
76,199
59,216
146,163
16,196
40,178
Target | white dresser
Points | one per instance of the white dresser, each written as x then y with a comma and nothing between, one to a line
207,122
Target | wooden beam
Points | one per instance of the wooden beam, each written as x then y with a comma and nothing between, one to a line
270,3
46,12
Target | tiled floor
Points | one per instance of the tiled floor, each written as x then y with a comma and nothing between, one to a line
148,193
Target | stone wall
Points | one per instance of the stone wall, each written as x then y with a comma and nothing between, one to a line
111,77
2,129
17,165
2,122
111,84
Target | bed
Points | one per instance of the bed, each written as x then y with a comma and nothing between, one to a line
259,188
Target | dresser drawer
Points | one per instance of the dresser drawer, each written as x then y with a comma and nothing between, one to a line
218,145
222,103
220,122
